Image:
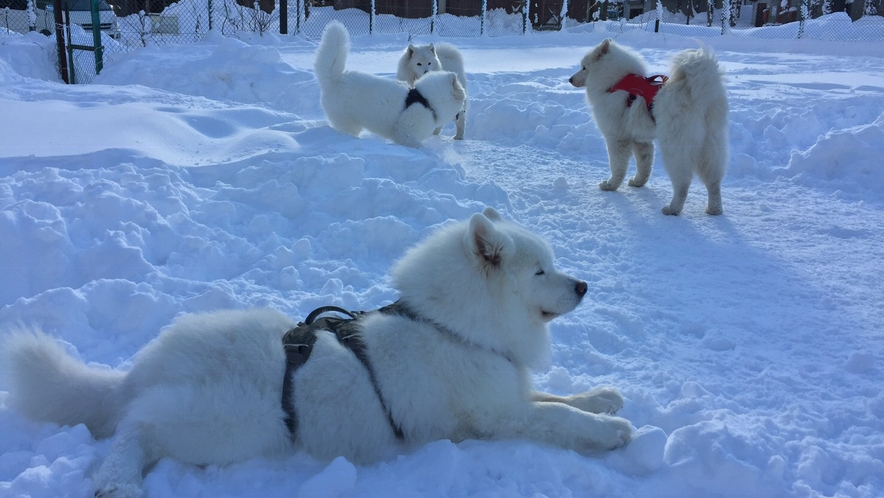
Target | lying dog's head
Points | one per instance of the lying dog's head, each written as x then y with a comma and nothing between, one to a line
418,61
490,281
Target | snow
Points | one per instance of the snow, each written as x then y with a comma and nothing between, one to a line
199,177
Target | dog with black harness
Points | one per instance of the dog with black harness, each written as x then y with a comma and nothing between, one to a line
450,359
356,101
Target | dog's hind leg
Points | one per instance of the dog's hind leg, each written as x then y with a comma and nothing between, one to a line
618,159
711,171
679,195
644,161
713,206
120,474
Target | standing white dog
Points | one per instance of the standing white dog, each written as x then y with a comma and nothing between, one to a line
417,61
449,360
354,101
688,116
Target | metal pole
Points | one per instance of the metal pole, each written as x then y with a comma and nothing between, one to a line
283,17
96,38
59,40
67,23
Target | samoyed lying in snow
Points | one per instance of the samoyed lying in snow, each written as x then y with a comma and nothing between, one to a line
417,61
449,360
688,116
354,101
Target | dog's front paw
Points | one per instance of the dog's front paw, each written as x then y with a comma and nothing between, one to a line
599,400
607,186
633,182
669,211
714,211
613,433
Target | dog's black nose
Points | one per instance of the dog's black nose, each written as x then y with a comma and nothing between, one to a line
580,288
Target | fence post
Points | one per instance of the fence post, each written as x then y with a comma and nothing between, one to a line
210,15
96,38
802,18
59,41
482,19
72,73
283,17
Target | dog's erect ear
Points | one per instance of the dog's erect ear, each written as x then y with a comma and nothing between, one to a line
410,49
489,245
492,214
605,46
433,49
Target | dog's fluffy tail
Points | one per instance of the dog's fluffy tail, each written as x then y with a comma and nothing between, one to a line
699,69
48,385
331,57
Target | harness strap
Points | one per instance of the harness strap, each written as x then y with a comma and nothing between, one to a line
298,343
416,97
639,86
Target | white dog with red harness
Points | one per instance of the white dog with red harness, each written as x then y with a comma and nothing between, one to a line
686,112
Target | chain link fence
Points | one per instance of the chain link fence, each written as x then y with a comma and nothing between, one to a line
126,25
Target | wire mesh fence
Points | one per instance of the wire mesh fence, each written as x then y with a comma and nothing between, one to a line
126,25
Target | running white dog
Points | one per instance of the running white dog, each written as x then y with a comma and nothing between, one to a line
690,111
449,360
417,61
354,101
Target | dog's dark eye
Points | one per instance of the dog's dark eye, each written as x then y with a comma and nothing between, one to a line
419,64
540,272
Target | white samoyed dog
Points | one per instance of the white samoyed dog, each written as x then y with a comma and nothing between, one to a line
450,362
418,60
688,117
354,101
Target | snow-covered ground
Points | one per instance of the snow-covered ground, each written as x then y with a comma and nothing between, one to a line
197,177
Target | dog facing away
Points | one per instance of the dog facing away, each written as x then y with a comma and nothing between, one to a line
354,100
688,117
476,299
419,60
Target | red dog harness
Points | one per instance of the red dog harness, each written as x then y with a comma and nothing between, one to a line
639,86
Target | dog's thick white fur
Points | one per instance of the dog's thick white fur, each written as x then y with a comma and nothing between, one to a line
354,100
418,60
691,120
208,390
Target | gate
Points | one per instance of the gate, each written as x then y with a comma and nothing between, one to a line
80,56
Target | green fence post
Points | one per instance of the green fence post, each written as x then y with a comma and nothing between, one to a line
96,38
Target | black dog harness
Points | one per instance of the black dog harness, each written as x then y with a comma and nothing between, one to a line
416,97
298,343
